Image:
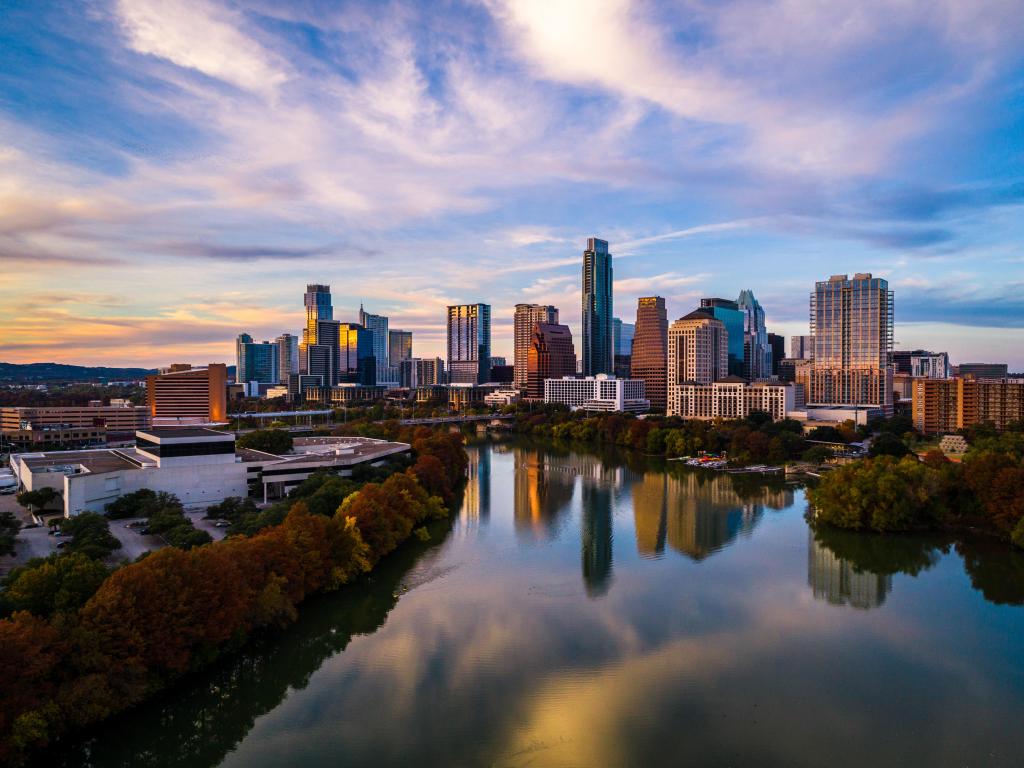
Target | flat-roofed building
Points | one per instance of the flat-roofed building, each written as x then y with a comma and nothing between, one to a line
345,394
935,405
194,395
734,398
597,393
551,356
649,359
698,350
946,405
104,418
469,343
983,370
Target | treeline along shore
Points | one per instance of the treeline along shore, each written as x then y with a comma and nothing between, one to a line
81,642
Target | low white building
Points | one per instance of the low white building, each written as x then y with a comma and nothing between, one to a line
199,466
502,397
734,398
597,393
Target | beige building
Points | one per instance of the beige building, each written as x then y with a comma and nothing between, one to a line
946,405
526,317
698,350
734,398
187,395
122,417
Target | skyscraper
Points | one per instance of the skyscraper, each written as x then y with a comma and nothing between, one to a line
650,349
287,356
551,356
377,325
256,361
697,350
356,361
526,317
851,322
399,346
597,308
757,355
778,347
728,311
469,343
622,347
317,301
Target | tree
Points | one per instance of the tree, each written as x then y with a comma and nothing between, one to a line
888,444
10,525
39,499
275,441
56,583
91,536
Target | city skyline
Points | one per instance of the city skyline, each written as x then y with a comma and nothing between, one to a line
217,167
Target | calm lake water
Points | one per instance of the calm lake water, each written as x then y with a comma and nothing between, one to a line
587,610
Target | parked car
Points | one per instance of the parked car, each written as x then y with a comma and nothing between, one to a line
61,544
222,524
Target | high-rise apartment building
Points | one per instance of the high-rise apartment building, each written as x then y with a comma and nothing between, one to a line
728,311
287,357
777,344
551,356
649,358
757,354
946,405
258,362
801,347
852,323
597,308
469,343
399,346
930,365
622,347
192,395
377,325
421,372
526,317
697,350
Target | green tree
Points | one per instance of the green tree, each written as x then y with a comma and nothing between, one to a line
888,444
10,525
90,535
57,583
275,441
39,499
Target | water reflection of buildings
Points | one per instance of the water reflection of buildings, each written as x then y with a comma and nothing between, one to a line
836,581
596,537
476,500
695,514
542,491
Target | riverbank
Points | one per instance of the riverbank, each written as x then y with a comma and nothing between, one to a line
152,622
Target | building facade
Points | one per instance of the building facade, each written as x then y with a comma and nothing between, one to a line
421,372
399,346
287,357
551,356
777,344
734,398
757,354
697,350
526,317
649,358
622,347
258,362
983,370
930,365
377,325
317,301
597,393
597,308
852,326
469,343
728,311
801,347
935,405
194,395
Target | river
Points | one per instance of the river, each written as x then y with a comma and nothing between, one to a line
585,610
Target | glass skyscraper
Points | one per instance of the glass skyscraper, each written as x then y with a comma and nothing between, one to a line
399,346
597,308
317,301
469,343
728,311
377,325
757,354
256,361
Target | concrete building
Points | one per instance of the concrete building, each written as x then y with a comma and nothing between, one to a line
930,365
801,347
463,396
597,393
734,398
189,395
649,359
551,356
526,317
935,405
947,405
419,372
697,350
852,325
346,394
597,308
728,311
119,417
469,343
399,346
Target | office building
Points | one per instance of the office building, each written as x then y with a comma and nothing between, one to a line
317,301
777,344
287,357
190,396
551,356
345,394
526,317
399,346
757,354
421,372
377,325
852,324
463,396
649,358
469,343
597,308
801,347
697,350
622,347
983,370
502,374
734,398
597,393
728,311
930,365
259,362
119,416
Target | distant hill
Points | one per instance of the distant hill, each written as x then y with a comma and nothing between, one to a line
13,373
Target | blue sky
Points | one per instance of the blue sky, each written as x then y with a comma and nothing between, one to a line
173,172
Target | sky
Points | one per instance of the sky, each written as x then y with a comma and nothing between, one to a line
173,172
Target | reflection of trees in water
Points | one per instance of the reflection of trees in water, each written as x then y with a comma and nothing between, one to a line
205,716
541,494
996,570
596,539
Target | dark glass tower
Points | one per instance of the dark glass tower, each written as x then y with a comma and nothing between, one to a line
732,317
597,308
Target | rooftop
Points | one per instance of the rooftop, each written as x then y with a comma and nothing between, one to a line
95,462
183,432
